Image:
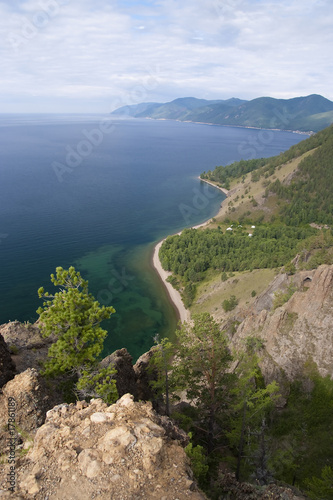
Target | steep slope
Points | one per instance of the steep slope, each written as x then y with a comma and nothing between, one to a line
296,193
298,332
276,221
294,187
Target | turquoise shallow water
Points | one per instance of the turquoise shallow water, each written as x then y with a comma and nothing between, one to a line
73,195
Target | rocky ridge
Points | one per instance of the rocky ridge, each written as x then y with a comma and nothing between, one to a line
297,332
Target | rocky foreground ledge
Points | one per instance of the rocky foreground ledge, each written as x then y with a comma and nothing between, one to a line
123,451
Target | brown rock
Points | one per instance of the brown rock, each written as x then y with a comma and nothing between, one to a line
299,331
144,376
122,457
27,398
7,367
122,361
26,343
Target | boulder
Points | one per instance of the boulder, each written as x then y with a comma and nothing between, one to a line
27,398
144,376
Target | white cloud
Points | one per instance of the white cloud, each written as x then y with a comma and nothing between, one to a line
91,55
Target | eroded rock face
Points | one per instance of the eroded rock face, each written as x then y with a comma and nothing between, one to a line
122,361
299,331
144,376
26,343
31,397
95,451
25,398
7,367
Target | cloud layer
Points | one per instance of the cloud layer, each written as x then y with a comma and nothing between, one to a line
96,55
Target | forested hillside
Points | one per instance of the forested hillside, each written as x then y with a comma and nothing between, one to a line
308,113
270,218
276,222
265,167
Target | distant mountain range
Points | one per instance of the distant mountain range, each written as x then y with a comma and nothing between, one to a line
310,113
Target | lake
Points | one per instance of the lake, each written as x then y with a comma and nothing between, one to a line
98,192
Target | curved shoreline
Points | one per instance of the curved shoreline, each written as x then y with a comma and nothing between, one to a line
175,297
225,191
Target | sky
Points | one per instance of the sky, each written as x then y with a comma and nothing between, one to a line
93,56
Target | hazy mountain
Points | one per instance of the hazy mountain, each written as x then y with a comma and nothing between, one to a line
312,112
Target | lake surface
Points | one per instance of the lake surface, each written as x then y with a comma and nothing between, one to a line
97,193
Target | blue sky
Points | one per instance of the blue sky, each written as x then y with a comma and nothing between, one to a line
96,55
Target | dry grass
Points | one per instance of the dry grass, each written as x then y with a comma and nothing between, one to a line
241,194
212,292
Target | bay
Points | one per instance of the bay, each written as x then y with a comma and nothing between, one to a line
97,193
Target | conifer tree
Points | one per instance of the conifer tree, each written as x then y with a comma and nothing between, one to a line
252,399
73,317
161,364
202,365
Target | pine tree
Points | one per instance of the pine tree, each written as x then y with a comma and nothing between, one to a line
73,317
202,366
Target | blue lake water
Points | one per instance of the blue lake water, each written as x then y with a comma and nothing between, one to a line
97,193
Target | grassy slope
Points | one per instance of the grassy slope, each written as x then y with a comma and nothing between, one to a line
212,291
239,201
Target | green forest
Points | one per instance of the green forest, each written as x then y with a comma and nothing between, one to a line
263,167
292,445
307,199
231,415
191,255
264,433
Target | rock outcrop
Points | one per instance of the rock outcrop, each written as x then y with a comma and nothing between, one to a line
241,491
122,452
26,344
144,376
125,377
7,367
28,395
299,331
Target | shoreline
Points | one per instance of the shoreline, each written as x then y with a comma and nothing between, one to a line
175,297
225,191
300,132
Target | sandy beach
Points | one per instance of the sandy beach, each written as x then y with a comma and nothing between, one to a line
225,191
184,314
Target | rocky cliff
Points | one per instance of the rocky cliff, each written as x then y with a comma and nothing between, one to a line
127,451
124,452
299,331
26,344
